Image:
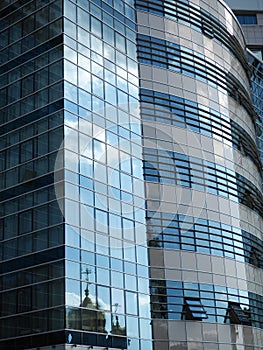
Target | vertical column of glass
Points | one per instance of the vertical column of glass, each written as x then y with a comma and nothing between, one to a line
257,86
31,130
107,290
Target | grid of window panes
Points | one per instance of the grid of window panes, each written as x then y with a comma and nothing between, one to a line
199,19
257,96
168,301
182,232
107,279
165,54
27,63
32,266
180,112
179,169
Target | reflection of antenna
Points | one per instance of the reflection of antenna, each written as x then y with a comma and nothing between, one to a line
116,307
87,272
117,325
116,317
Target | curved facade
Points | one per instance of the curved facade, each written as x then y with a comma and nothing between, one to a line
203,177
104,103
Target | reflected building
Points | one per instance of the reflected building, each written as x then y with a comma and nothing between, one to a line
131,180
91,317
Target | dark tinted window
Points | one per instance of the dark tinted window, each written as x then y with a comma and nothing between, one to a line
247,19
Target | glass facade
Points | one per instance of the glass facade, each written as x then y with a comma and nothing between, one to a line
256,67
181,112
203,198
183,232
32,226
74,265
130,177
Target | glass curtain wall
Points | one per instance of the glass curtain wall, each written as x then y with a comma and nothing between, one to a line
74,266
106,254
31,128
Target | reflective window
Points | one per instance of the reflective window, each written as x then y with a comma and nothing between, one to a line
200,174
99,42
104,298
205,236
247,18
131,303
193,309
165,54
173,110
209,302
195,17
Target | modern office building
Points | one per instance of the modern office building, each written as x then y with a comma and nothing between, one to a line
203,174
131,200
74,266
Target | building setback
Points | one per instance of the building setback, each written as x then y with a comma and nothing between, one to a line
131,188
